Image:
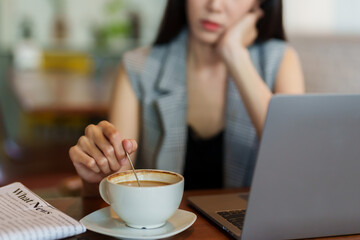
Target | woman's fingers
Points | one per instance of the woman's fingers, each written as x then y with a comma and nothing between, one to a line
248,28
129,145
114,137
100,151
258,13
250,19
97,146
78,156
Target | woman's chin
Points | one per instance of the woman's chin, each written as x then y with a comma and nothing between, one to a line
208,38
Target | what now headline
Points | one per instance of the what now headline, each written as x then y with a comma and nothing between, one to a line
35,204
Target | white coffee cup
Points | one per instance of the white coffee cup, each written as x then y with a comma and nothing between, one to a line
146,206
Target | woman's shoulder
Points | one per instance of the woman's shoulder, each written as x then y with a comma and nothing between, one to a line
271,50
137,58
142,53
272,44
281,46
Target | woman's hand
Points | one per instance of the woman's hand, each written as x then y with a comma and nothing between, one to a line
239,36
100,151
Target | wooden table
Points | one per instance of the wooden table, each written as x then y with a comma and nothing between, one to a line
201,229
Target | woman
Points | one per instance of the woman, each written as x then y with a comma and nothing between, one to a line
196,101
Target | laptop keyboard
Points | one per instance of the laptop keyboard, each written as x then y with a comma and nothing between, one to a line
236,217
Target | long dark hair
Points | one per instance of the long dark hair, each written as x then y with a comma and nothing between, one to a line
174,20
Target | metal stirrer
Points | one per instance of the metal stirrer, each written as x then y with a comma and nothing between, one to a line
132,166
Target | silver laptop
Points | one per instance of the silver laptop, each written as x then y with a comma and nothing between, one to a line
307,176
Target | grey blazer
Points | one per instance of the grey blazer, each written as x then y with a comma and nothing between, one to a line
158,77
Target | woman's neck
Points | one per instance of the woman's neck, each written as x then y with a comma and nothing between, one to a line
203,55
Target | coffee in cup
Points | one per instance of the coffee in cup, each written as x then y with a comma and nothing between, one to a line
148,206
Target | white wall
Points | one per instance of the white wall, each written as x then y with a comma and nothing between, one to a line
151,11
301,17
322,16
347,15
82,14
308,16
12,12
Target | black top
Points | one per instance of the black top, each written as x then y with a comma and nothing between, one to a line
203,162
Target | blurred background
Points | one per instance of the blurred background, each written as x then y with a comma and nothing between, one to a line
59,58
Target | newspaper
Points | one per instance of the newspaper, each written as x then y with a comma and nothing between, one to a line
24,215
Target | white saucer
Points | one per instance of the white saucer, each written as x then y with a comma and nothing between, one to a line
105,221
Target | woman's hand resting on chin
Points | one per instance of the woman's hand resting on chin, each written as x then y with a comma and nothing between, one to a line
239,37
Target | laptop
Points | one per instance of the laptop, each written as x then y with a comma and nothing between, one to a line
307,176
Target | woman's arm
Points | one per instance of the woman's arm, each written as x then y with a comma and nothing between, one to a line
253,90
125,109
255,93
290,78
101,150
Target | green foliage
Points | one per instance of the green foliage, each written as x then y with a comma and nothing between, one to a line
117,24
113,7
